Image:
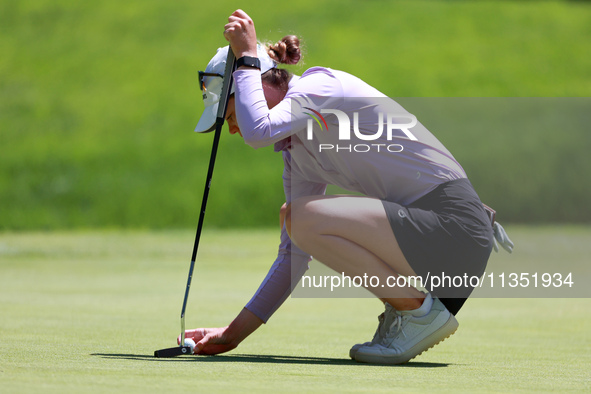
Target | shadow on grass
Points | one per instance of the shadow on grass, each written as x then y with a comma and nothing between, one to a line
262,359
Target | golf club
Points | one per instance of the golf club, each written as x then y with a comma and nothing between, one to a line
221,116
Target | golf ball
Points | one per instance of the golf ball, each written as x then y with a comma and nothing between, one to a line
190,342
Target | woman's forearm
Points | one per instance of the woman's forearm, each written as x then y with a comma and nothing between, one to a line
242,326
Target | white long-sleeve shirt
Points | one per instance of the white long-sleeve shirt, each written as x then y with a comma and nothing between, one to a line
401,176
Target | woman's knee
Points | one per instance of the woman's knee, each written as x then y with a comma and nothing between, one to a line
304,218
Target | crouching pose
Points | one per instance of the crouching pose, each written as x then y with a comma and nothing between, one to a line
416,213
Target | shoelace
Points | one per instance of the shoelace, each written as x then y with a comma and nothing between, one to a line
398,325
379,330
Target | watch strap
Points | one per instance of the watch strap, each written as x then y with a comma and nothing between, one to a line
248,61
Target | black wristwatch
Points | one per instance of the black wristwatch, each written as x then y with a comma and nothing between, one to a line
248,61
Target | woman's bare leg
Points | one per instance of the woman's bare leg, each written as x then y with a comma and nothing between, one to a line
353,235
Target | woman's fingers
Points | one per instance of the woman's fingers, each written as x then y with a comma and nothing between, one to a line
213,342
207,344
201,344
241,34
240,13
196,334
236,27
241,20
237,23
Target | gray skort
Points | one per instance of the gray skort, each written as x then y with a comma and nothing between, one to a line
445,234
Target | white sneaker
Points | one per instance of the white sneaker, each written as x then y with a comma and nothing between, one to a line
385,319
408,336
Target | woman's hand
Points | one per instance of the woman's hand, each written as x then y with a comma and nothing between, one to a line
210,340
224,339
240,32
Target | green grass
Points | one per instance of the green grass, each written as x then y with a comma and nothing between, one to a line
84,311
98,101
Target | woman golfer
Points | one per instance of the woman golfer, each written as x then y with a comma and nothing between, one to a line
417,215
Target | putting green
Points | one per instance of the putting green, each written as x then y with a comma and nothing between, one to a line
84,312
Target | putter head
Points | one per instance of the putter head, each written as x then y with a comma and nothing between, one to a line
173,351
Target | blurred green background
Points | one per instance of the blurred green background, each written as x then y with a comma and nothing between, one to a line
98,101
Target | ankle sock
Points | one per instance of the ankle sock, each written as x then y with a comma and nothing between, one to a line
423,309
